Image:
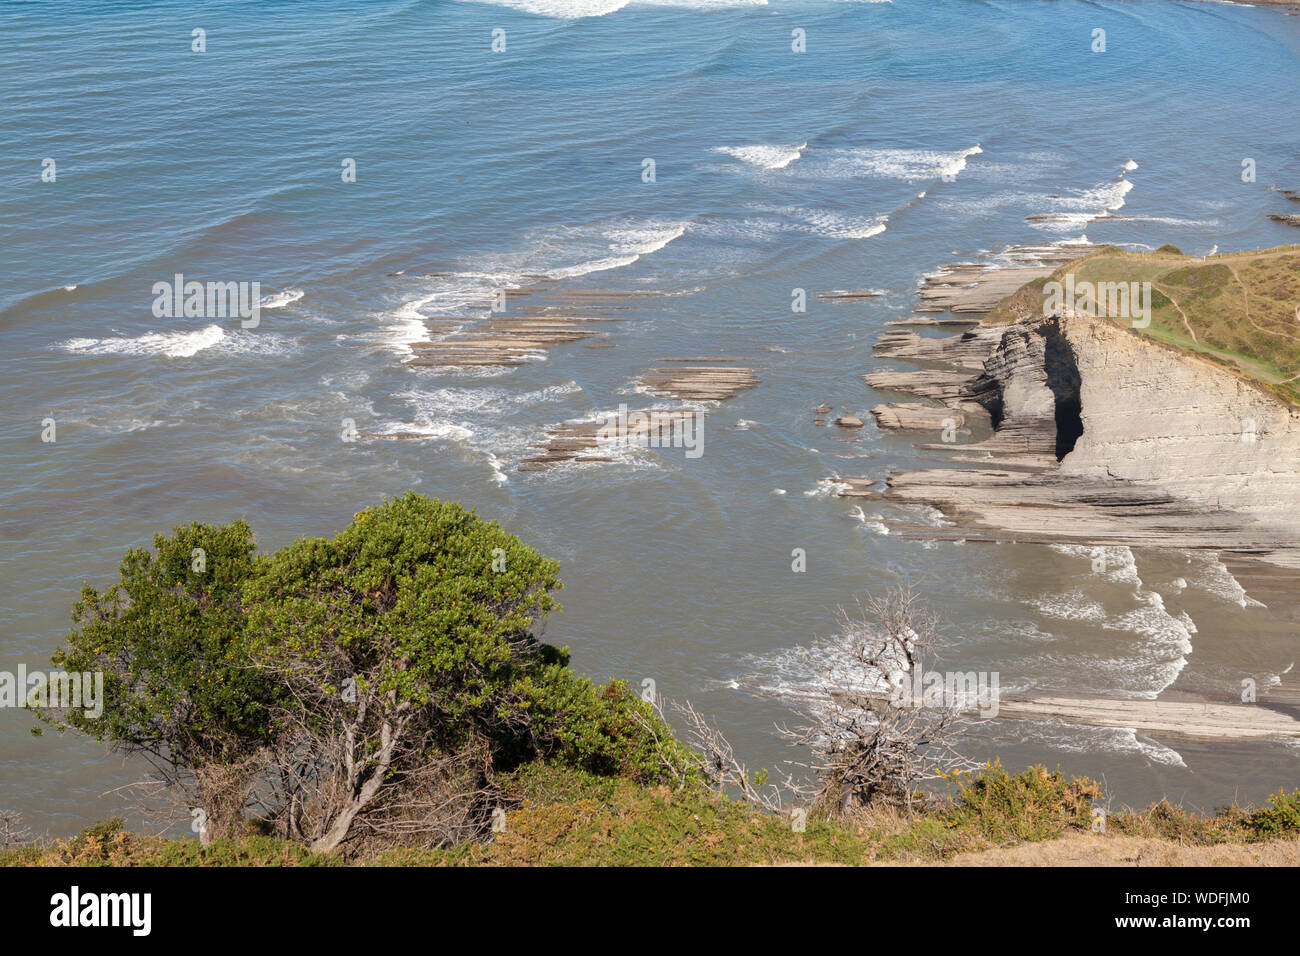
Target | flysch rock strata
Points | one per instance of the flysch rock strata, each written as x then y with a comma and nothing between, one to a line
698,383
858,488
968,350
942,385
1104,437
1194,720
522,332
850,294
502,340
1099,435
911,416
976,287
928,320
582,441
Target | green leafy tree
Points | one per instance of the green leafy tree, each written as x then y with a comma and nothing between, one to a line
366,685
406,636
609,730
178,685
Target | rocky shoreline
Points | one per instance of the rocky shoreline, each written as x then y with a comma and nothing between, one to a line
1189,720
1099,436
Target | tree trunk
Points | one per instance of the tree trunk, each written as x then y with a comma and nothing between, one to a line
337,831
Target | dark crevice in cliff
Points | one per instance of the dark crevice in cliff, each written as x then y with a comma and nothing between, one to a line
1064,381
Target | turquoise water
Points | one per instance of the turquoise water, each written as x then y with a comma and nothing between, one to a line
908,135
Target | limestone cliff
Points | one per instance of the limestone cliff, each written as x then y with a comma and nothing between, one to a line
1104,436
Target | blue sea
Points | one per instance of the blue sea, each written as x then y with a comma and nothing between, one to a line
380,167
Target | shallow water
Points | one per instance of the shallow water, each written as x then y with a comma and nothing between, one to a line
852,165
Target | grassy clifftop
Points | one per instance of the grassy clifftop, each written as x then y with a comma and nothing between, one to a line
1241,310
566,817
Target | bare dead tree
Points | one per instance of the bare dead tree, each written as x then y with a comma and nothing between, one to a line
356,764
445,800
337,743
721,768
318,795
661,734
872,737
13,832
711,755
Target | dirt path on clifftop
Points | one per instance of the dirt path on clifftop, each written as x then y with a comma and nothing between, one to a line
1094,849
1174,302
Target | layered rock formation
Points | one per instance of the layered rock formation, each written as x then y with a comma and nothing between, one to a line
699,383
1104,436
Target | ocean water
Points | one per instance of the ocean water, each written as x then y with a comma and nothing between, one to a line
908,134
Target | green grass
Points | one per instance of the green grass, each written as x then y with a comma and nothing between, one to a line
1238,309
570,817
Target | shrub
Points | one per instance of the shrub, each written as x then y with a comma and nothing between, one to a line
404,639
1166,821
169,640
1034,804
609,731
1280,818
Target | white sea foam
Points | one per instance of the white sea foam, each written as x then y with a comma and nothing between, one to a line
927,515
498,474
280,299
1070,606
486,401
1115,563
1022,630
768,157
872,522
426,429
561,9
184,344
557,253
1071,738
353,379
1081,207
909,165
241,342
473,417
827,488
578,9
596,265
698,4
1168,638
836,225
1212,575
169,344
777,221
644,238
627,242
125,425
1170,221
